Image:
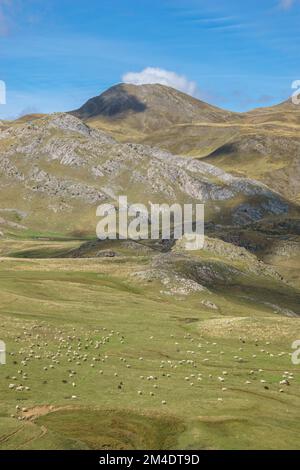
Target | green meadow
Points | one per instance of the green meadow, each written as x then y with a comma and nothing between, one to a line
99,357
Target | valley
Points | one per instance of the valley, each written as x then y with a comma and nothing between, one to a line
123,344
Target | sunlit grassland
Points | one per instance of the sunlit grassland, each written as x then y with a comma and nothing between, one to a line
168,372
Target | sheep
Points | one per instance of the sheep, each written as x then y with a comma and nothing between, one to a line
284,382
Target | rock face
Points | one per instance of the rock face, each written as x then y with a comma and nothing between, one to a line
55,170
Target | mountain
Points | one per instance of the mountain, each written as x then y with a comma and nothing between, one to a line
266,147
262,144
271,157
284,114
90,320
55,170
135,111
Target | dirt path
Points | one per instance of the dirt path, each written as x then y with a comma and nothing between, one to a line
44,431
7,437
37,411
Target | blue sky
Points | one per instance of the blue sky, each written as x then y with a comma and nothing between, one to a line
55,54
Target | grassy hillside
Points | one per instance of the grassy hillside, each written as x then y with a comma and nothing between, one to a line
102,352
130,345
55,171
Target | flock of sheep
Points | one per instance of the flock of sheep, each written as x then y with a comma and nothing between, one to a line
77,354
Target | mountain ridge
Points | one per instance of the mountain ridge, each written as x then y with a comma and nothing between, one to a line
59,166
262,143
139,98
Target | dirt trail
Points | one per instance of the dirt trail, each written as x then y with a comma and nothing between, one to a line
7,437
42,410
43,432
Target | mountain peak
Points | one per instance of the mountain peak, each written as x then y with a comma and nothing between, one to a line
116,101
158,106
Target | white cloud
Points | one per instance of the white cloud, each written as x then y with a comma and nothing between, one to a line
286,4
152,75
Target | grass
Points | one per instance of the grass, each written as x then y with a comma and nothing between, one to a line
115,429
87,320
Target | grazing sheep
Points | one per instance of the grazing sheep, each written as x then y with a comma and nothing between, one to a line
284,382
